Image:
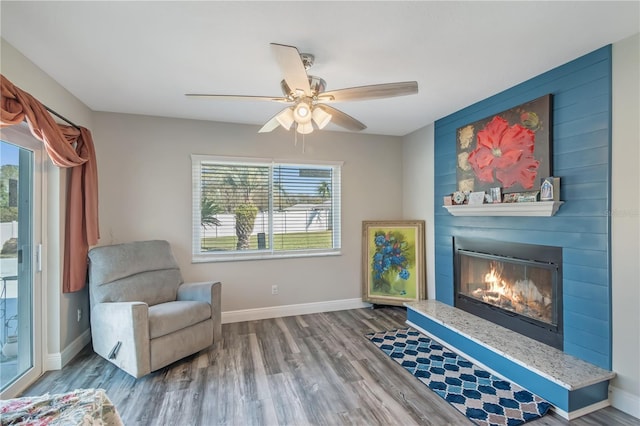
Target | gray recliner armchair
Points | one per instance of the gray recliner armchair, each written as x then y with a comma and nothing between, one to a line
143,317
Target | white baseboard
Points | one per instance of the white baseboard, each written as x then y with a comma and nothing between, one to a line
625,401
572,415
57,360
53,362
290,310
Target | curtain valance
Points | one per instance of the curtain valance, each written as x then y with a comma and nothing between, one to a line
81,230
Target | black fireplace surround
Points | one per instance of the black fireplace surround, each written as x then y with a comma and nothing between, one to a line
518,286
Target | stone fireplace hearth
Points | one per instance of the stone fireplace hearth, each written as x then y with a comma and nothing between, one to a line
574,387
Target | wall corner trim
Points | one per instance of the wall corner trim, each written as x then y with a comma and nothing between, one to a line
625,401
57,360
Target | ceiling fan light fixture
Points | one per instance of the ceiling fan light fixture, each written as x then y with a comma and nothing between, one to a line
320,117
285,118
304,129
302,113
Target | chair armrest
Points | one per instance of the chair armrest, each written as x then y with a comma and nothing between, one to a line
127,323
210,292
201,292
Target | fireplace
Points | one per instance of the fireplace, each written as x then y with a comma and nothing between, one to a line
518,286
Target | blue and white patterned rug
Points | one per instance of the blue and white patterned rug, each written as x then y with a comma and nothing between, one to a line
481,396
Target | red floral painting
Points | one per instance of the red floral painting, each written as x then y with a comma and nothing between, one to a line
511,150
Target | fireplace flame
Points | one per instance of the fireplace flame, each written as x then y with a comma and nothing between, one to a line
521,296
496,288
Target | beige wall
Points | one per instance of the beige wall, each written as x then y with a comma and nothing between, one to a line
417,192
144,171
625,224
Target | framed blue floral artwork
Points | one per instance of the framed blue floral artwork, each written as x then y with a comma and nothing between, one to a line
393,259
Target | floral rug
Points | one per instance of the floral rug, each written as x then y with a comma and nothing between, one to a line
481,396
80,407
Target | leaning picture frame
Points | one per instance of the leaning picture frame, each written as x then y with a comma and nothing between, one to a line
393,261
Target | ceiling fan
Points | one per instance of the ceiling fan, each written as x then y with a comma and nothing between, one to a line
308,98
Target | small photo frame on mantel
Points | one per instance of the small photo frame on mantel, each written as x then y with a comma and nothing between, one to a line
496,194
476,198
393,261
511,197
527,197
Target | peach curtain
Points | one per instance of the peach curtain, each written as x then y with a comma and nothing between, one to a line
81,230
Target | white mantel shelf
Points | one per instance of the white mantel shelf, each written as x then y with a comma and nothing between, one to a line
538,208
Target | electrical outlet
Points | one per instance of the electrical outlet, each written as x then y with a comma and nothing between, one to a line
79,314
274,289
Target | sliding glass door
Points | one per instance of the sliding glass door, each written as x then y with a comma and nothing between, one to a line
20,298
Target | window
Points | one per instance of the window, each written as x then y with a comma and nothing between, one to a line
248,208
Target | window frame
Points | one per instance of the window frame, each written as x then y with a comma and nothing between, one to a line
198,256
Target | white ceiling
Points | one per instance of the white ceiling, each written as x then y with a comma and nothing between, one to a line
141,57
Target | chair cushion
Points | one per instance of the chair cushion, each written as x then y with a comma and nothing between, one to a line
111,263
142,271
165,318
151,287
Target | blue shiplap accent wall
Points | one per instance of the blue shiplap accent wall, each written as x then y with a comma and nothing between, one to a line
581,92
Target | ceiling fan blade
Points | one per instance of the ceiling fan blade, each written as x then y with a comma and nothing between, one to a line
341,119
238,97
270,125
375,91
283,118
290,63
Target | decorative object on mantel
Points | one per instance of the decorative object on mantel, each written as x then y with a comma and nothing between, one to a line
550,189
458,197
538,208
521,197
393,259
510,197
476,198
496,194
511,149
482,397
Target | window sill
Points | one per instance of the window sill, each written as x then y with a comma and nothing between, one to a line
260,255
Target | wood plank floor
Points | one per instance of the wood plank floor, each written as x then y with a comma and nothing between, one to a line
311,369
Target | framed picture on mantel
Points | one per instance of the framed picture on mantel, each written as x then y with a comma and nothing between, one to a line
393,257
511,149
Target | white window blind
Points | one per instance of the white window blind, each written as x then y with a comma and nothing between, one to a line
260,208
